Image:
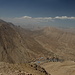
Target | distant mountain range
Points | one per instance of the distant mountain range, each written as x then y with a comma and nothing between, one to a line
19,45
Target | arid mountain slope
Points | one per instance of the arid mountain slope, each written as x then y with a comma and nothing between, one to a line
59,42
17,45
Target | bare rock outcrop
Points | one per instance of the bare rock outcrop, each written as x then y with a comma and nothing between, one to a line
39,68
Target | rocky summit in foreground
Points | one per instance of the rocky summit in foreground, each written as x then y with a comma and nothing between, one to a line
20,69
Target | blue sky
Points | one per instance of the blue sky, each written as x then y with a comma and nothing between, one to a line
38,8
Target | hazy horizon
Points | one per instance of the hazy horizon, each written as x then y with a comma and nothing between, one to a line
59,13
